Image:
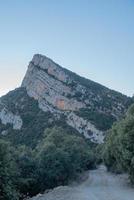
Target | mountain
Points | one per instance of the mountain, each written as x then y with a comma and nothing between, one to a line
51,95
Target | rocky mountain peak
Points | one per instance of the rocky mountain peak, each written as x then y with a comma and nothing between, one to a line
47,82
81,104
49,66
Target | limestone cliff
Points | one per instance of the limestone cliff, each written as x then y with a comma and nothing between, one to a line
51,95
60,91
50,85
8,117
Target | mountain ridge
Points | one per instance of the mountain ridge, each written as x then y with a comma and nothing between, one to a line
84,105
80,76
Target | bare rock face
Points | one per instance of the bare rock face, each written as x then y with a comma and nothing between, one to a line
60,91
86,128
48,84
8,117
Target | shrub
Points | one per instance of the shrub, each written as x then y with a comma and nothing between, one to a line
119,147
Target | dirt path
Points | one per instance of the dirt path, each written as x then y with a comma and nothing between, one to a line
100,185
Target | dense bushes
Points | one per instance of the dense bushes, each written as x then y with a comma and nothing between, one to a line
8,172
56,159
119,147
61,156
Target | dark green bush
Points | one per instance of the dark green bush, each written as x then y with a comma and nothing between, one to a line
119,147
61,157
8,173
58,158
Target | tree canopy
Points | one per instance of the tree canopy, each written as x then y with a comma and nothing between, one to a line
118,151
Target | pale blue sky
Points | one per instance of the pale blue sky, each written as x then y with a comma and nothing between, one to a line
94,38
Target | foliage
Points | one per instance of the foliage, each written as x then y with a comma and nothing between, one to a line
34,119
108,97
119,147
61,157
36,160
8,173
101,120
56,159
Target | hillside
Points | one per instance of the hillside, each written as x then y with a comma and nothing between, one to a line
51,95
50,128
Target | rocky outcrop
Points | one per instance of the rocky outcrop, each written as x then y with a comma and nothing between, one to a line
8,117
48,84
51,86
86,128
62,92
64,97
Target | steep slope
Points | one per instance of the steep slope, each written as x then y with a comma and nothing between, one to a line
22,121
50,95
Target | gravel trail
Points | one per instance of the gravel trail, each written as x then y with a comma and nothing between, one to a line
100,185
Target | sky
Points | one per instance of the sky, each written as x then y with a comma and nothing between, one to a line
94,38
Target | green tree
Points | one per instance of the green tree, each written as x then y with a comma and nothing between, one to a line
118,151
61,156
8,173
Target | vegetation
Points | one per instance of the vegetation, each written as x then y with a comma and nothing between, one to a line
118,151
34,119
108,97
101,120
47,152
8,172
57,158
